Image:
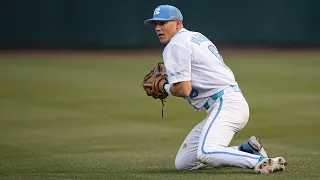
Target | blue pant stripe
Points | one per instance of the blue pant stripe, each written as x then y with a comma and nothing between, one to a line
233,154
205,137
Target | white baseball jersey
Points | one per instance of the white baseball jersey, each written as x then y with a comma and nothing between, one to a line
191,56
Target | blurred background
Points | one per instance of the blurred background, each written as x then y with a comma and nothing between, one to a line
119,24
71,104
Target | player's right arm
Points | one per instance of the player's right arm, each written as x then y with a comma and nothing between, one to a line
177,60
179,89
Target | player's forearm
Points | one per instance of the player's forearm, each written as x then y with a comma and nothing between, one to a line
181,89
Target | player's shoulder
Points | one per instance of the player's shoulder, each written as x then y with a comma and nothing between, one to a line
181,38
176,46
189,37
182,41
183,35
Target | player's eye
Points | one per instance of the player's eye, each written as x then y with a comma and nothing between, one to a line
161,23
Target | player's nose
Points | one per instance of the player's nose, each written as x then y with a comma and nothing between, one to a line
157,27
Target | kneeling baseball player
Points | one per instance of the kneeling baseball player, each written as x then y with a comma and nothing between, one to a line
194,70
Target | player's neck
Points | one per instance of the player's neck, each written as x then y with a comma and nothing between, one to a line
178,30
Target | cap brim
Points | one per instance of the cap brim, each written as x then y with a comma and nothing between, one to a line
150,21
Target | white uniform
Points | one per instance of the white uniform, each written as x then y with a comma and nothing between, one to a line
191,56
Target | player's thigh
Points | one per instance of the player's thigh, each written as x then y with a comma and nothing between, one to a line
187,155
229,115
231,111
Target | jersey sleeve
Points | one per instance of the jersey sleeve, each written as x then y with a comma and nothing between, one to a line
177,60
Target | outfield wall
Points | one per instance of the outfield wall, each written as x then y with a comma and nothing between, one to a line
108,24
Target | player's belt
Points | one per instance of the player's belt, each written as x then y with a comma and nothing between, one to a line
214,97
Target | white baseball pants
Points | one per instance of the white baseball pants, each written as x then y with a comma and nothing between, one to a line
207,143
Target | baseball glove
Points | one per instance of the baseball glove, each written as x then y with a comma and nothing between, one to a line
154,81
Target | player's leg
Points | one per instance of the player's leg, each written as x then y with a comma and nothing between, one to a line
186,158
228,115
253,146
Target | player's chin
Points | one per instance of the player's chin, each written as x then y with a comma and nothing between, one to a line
163,41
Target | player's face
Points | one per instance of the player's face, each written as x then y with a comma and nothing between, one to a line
166,30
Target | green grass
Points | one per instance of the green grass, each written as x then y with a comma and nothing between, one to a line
90,119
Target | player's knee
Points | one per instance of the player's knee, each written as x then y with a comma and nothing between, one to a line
180,164
185,163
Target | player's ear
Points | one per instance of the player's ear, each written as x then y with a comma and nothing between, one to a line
179,22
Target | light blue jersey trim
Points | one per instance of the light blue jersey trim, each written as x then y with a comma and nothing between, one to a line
220,152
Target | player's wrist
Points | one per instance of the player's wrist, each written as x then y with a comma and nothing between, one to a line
167,87
161,85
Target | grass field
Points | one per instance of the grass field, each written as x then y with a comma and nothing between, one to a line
88,118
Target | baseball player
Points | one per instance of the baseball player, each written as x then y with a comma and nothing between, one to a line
196,72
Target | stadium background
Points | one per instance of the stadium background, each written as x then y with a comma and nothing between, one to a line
109,24
71,105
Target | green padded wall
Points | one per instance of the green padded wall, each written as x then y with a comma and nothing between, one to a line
109,24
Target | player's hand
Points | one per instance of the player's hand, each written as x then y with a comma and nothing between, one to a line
161,85
153,82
